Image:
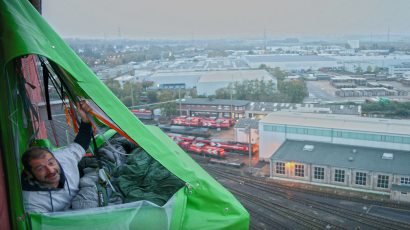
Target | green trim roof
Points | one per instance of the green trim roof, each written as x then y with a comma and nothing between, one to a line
336,155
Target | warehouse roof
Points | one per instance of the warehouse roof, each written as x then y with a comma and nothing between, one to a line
208,101
333,121
287,58
399,187
234,75
246,122
344,156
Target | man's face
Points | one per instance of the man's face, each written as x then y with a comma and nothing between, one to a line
46,170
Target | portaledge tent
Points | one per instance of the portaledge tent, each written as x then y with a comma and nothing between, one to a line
202,204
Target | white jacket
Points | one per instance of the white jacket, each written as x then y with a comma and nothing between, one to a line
58,199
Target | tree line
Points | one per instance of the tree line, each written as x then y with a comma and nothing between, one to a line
386,108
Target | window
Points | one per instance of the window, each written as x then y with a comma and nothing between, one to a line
339,175
319,173
278,128
274,128
299,170
319,132
280,168
382,181
405,180
268,128
361,178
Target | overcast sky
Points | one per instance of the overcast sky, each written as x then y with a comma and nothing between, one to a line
226,18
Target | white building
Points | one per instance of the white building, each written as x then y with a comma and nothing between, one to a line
399,70
246,130
366,169
354,44
125,78
213,80
207,82
292,62
280,126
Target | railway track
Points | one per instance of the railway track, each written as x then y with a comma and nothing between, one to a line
362,219
262,220
302,219
203,161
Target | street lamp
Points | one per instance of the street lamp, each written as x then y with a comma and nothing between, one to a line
179,97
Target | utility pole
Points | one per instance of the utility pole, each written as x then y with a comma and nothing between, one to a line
248,129
132,95
230,92
180,106
231,101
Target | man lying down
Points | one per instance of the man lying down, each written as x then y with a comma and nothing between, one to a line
65,180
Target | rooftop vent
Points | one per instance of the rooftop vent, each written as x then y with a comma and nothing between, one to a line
350,158
387,156
308,148
354,151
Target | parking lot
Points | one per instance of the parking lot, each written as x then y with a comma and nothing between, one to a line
322,91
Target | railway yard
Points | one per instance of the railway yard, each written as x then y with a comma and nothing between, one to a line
275,206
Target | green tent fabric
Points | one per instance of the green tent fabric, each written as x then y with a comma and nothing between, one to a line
202,204
142,178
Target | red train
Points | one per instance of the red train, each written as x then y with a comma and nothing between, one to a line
202,148
224,123
199,145
143,114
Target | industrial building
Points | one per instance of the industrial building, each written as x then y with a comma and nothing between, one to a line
175,79
213,80
399,70
259,110
359,153
246,130
383,171
207,82
207,107
347,81
280,126
292,62
369,92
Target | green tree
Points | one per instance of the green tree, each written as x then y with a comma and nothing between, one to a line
222,93
170,108
376,69
295,91
152,96
369,69
114,86
279,74
263,66
359,70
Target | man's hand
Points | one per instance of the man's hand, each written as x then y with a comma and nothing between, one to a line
83,109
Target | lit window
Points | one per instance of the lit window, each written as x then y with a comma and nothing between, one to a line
382,181
299,170
280,168
361,178
405,180
319,173
339,175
